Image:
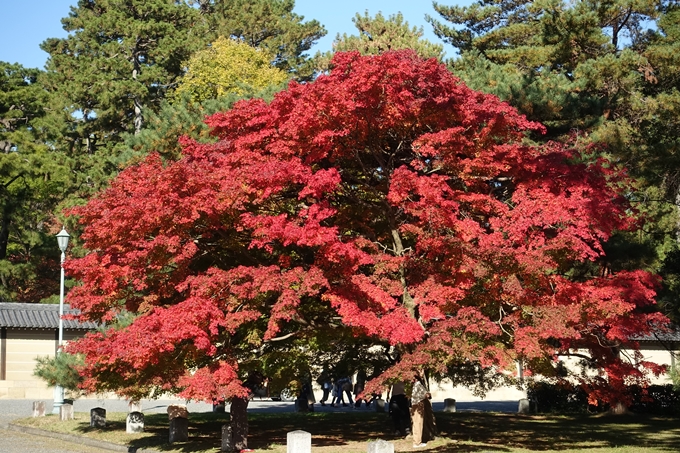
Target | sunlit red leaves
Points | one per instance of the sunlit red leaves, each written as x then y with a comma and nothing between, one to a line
386,192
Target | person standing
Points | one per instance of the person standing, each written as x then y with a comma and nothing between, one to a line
337,393
359,388
399,409
346,387
422,416
326,386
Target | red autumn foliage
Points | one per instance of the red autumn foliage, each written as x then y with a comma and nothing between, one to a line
386,193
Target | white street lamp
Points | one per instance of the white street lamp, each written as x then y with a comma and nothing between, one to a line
62,240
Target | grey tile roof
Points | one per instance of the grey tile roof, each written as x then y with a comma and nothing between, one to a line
38,316
673,335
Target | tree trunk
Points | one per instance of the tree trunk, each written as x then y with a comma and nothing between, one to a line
4,235
619,409
138,121
239,423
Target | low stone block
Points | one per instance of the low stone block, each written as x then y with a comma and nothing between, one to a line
380,446
38,408
449,405
134,423
98,417
177,410
226,438
179,429
524,406
66,412
299,442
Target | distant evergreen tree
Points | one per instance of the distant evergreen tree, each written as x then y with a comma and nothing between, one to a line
65,132
267,24
123,57
33,180
379,34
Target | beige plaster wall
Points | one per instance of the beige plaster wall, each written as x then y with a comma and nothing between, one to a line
22,348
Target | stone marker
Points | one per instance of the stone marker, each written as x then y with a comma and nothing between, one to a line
219,407
179,429
380,405
98,417
449,405
134,423
134,406
299,442
380,446
66,412
38,408
177,410
524,406
226,438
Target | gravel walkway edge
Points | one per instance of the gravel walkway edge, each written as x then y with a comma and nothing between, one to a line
78,439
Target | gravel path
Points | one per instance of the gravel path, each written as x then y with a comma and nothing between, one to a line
16,442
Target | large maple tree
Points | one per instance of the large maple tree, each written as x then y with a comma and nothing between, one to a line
386,200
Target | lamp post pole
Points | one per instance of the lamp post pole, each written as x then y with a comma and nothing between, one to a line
62,240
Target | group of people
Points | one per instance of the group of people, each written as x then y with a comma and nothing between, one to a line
338,388
412,415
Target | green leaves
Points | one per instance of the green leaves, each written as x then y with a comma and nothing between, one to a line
267,24
228,67
33,180
63,369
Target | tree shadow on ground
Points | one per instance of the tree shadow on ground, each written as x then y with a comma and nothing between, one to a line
463,431
552,432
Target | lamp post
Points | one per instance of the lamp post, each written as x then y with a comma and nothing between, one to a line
62,240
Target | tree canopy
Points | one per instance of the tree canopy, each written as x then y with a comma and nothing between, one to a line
386,201
33,180
592,73
65,131
270,25
379,34
229,66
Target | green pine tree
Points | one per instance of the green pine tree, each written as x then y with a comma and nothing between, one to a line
267,24
33,179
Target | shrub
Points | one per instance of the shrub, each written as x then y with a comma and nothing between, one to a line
561,398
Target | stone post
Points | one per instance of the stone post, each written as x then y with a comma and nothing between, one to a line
179,423
38,408
299,442
226,438
98,417
380,446
179,430
66,412
134,423
524,406
449,405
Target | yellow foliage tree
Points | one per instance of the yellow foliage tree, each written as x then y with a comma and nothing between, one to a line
228,66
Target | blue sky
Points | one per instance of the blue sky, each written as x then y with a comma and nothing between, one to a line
27,23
